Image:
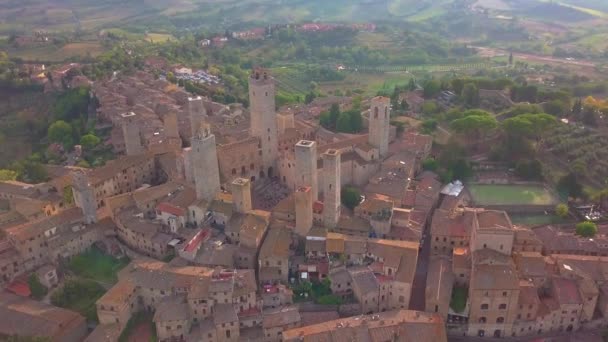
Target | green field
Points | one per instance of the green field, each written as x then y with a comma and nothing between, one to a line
97,266
485,194
535,220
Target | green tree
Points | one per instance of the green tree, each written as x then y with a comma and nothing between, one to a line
430,164
474,126
529,169
68,195
38,290
458,85
561,210
431,88
344,124
89,141
428,126
570,186
7,175
171,77
586,229
411,86
61,132
30,171
470,95
351,197
557,107
430,108
325,120
334,113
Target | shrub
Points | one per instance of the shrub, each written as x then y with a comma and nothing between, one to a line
586,229
38,290
561,210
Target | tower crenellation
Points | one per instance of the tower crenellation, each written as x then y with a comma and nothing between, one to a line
306,166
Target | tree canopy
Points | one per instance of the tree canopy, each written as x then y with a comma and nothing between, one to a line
61,132
351,197
431,88
89,141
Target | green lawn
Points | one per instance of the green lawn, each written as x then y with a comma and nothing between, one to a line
535,220
96,265
486,194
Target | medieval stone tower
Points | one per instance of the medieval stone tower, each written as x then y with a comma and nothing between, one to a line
304,218
241,195
263,119
331,188
379,124
204,164
131,134
84,196
197,113
306,166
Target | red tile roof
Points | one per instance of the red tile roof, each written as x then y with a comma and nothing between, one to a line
197,240
20,288
171,209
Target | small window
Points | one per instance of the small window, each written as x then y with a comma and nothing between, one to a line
484,306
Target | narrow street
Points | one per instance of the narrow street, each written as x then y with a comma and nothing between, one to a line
417,298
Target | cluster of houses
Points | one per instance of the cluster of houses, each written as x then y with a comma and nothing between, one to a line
215,258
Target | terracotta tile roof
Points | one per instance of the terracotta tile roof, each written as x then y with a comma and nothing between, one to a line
281,317
172,309
494,277
566,291
439,280
276,243
26,317
168,208
32,229
117,294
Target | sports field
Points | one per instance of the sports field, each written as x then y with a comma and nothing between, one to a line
490,194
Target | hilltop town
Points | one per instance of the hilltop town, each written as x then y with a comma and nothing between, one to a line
239,225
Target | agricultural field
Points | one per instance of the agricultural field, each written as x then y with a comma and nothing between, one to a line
159,37
580,149
53,53
486,194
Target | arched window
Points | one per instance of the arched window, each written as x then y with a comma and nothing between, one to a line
375,112
385,112
233,172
